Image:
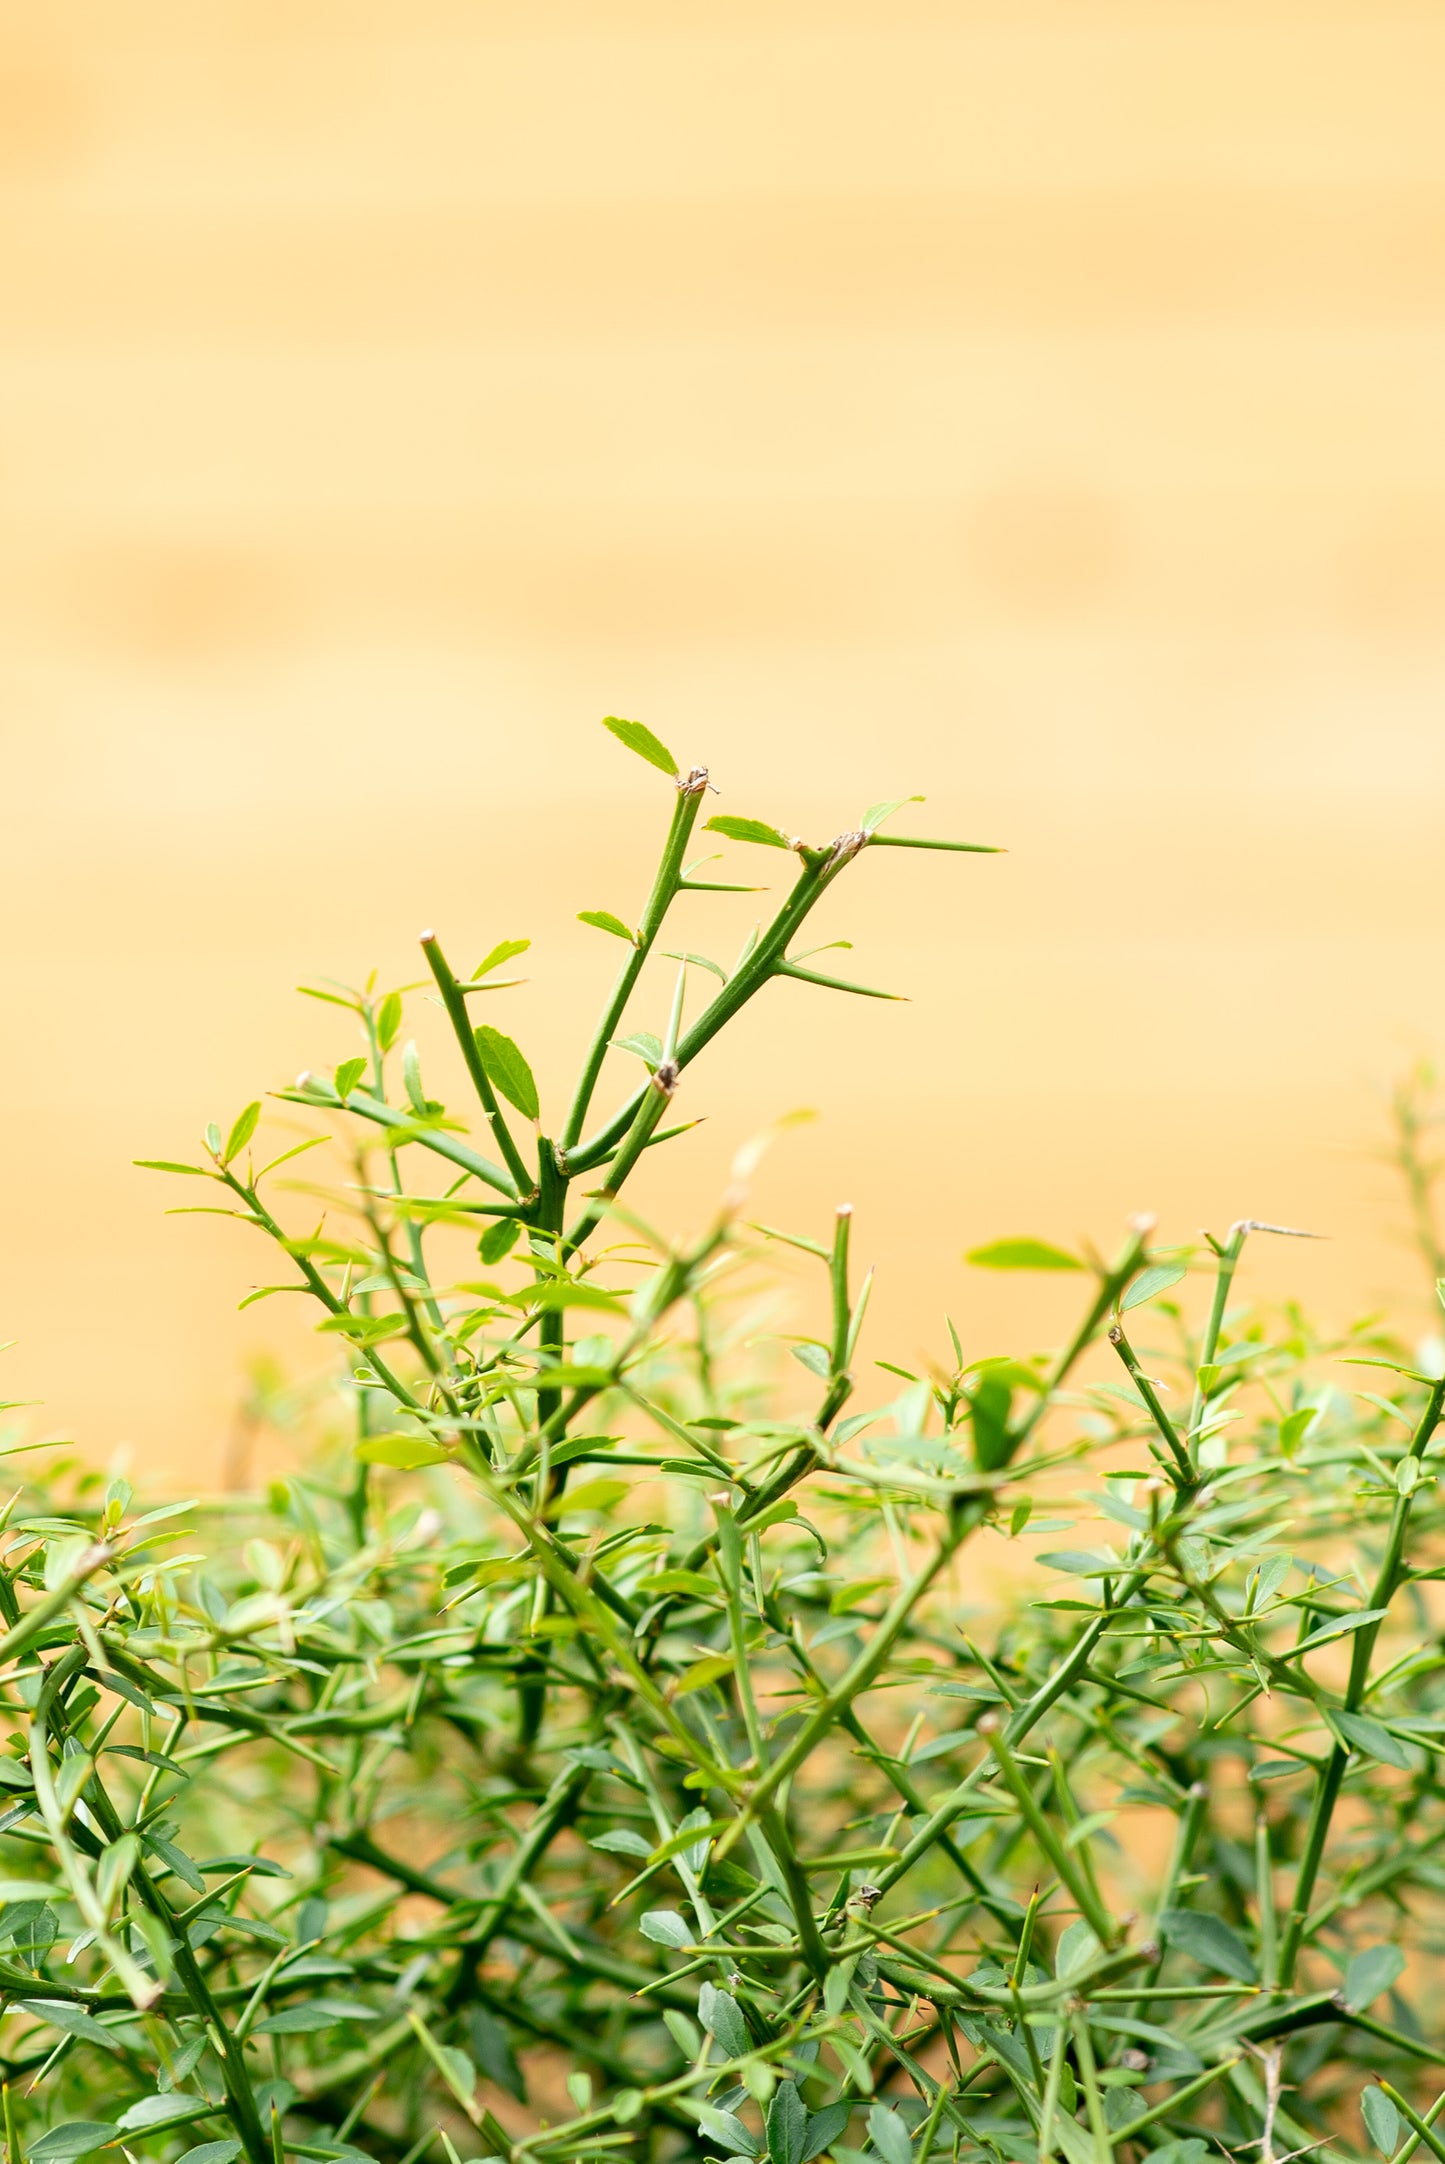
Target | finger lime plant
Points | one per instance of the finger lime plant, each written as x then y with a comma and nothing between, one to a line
592,1753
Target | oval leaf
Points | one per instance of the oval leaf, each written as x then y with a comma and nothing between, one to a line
1021,1255
1382,2121
726,2129
666,1928
1209,1941
242,1132
720,2014
76,2138
507,1070
643,742
1377,1742
748,830
1150,1283
505,950
787,2125
1373,1970
604,921
405,1452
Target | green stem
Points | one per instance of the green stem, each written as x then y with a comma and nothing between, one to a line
454,1000
665,887
1331,1775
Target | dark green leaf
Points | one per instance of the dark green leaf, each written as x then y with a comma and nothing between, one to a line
726,2129
889,2135
824,2127
787,2125
722,2017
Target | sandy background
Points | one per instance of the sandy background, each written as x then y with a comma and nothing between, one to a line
1035,404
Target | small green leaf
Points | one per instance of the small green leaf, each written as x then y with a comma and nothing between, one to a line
153,2111
621,1841
875,815
699,961
411,1076
990,1405
242,1132
747,830
211,2152
721,2015
726,2129
1373,1970
679,1581
604,921
592,1495
405,1452
499,1239
1021,1255
664,1926
644,1046
388,1020
1150,1283
1295,1427
314,2016
1377,1742
824,2127
76,2138
1209,1941
164,1164
1382,2121
889,2135
1338,1627
348,1074
507,1070
505,950
72,2019
787,2125
643,742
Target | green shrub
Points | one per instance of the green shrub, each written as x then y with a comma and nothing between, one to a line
589,1756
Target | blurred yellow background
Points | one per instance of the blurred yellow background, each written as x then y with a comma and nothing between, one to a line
1037,403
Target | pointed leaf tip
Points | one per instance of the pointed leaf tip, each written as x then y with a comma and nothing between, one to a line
643,742
603,921
507,1070
747,830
